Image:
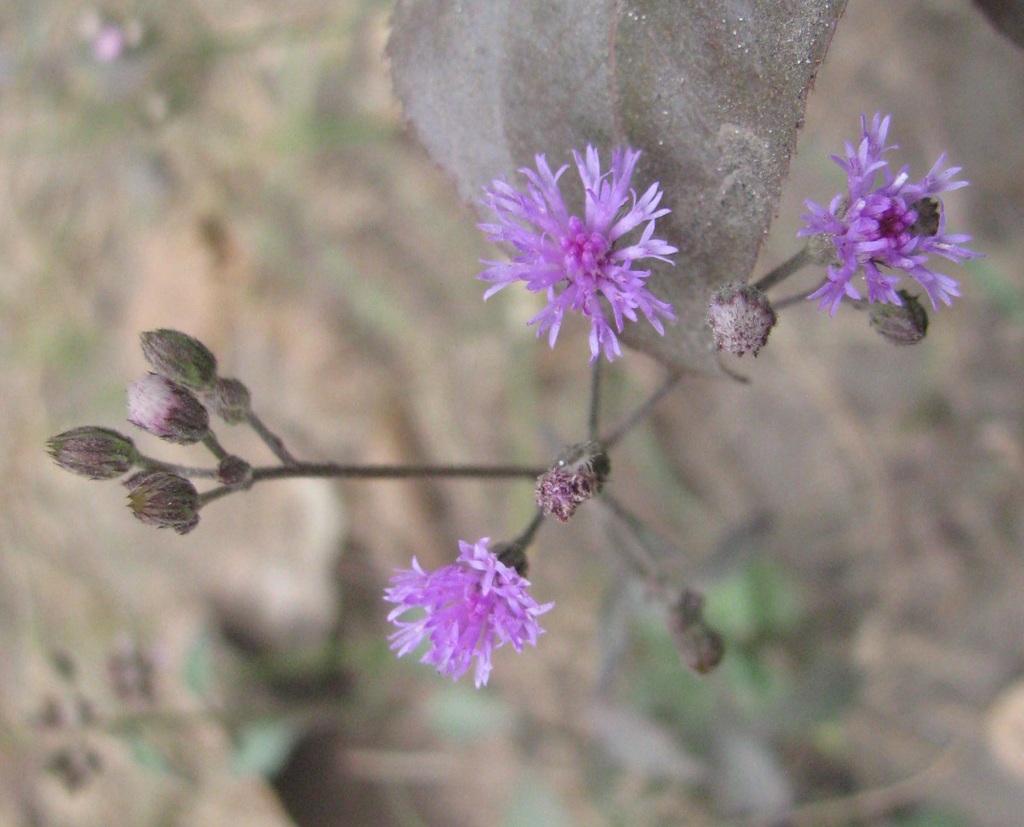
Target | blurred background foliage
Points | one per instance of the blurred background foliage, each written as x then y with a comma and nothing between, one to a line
238,169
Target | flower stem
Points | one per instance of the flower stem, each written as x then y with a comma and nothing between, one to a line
528,533
785,270
331,470
642,410
211,443
795,299
595,400
640,557
150,464
270,439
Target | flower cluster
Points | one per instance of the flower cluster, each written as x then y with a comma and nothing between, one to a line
470,608
897,224
577,261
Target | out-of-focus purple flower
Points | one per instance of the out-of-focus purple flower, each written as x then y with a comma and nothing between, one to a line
578,261
470,608
897,224
109,43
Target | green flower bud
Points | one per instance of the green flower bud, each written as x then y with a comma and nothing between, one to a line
93,452
229,399
901,324
180,358
163,499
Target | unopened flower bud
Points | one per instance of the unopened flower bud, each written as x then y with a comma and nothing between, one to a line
929,217
741,317
163,499
167,409
234,472
701,647
180,358
229,399
93,452
901,324
575,477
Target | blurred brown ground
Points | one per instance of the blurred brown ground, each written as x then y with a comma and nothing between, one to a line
246,178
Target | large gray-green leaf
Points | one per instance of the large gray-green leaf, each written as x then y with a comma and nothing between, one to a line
712,91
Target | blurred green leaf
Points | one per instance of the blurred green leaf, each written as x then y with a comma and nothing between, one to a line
928,818
148,756
198,667
262,747
663,688
461,713
759,600
535,804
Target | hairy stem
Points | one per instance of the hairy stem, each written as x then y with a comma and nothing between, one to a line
270,439
784,270
595,401
331,470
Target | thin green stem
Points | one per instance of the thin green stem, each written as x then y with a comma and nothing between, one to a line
211,443
150,464
595,400
641,411
784,270
796,298
530,531
331,470
270,439
640,557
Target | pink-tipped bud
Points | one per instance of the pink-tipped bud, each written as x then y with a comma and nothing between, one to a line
167,409
575,477
901,324
93,452
741,317
180,358
163,499
229,399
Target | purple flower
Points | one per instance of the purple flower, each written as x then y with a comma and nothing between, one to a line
897,225
471,608
577,261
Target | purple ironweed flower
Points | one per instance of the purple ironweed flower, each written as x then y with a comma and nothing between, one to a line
897,224
471,607
577,261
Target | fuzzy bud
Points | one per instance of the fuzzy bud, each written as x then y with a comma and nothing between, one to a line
229,399
180,358
234,472
163,499
701,646
167,409
575,477
93,452
741,317
901,324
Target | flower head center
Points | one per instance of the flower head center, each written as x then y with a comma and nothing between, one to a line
895,221
585,251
